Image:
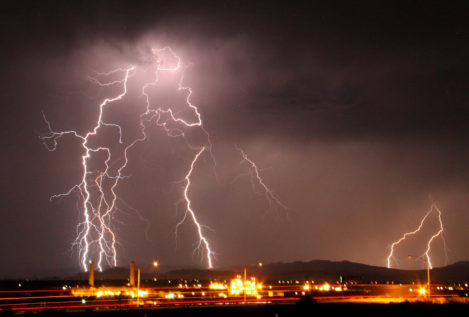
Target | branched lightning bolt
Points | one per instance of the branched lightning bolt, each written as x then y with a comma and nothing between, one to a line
439,233
97,189
203,242
95,229
269,194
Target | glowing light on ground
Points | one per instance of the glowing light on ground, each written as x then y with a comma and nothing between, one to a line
250,287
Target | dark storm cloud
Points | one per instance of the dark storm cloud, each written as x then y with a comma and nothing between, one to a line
359,111
374,69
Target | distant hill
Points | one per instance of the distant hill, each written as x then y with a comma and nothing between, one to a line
318,270
321,270
328,270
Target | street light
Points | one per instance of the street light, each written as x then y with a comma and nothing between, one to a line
155,264
244,285
424,259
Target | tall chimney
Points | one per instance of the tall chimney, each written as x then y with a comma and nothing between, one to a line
91,278
132,274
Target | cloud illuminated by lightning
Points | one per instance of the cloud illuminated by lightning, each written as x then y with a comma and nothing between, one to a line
97,189
439,233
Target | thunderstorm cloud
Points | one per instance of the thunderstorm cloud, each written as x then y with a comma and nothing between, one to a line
356,115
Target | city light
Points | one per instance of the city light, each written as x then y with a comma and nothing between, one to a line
325,287
218,286
239,290
109,292
248,287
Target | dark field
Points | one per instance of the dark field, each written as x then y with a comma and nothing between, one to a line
298,309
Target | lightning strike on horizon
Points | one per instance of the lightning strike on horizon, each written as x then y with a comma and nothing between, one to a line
203,242
429,243
440,231
91,214
94,233
269,194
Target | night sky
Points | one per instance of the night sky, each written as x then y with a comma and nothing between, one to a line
355,113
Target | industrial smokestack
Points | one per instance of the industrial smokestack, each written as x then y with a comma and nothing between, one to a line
91,278
132,274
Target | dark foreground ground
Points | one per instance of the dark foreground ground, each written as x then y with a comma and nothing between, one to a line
300,309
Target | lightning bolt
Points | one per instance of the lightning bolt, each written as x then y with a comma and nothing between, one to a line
97,189
439,233
203,242
269,194
433,237
96,221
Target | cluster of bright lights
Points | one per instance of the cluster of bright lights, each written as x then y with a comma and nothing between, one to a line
326,287
97,189
238,287
439,233
249,287
172,295
187,286
109,292
217,286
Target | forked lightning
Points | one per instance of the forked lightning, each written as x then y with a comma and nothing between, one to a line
439,233
95,237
